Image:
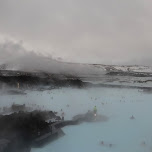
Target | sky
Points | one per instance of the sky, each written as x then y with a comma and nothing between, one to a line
87,31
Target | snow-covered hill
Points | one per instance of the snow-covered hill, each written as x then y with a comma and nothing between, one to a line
133,68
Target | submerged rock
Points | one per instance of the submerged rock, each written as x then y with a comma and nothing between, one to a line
89,117
132,117
16,92
143,144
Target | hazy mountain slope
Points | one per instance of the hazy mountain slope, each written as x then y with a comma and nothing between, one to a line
14,56
38,63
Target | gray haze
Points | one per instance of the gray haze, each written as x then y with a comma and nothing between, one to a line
99,31
15,57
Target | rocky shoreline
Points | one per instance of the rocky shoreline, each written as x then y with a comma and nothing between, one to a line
18,82
20,129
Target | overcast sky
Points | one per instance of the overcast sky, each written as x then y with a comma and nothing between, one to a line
96,31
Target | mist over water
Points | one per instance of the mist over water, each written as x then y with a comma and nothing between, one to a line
117,104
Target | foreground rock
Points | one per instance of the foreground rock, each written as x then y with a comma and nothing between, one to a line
21,129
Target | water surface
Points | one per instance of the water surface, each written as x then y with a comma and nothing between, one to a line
118,104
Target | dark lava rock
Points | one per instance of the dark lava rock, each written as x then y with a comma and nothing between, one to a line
20,129
32,80
23,130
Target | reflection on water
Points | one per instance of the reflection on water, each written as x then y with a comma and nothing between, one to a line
119,133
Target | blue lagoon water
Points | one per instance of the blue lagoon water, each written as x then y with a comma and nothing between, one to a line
118,104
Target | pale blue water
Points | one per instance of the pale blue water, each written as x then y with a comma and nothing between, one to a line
125,134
